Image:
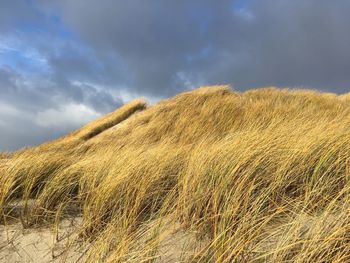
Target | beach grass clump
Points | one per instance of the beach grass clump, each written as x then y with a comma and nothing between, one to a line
210,175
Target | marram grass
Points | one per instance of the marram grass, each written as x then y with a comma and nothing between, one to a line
210,175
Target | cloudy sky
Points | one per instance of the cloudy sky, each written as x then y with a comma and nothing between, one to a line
66,62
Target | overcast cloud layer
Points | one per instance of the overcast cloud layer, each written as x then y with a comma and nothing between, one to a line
64,63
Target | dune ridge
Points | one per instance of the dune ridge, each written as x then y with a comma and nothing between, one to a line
210,175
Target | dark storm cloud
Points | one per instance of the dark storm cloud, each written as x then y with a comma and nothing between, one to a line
298,43
14,11
166,44
154,38
79,57
80,65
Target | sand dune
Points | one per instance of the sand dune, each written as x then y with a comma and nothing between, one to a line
210,175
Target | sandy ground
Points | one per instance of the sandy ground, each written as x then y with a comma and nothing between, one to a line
40,245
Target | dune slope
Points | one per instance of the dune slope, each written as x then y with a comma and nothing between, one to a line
210,175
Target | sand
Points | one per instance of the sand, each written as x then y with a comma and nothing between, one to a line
39,245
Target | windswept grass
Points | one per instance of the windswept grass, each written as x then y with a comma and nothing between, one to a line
210,175
110,120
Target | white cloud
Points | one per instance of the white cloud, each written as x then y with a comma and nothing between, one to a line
70,115
8,110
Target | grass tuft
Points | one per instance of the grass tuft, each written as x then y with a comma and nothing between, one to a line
210,175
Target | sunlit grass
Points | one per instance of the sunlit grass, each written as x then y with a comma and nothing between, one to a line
210,175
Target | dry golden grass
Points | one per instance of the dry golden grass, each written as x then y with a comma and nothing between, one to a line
257,176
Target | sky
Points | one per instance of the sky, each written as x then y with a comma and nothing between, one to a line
64,63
